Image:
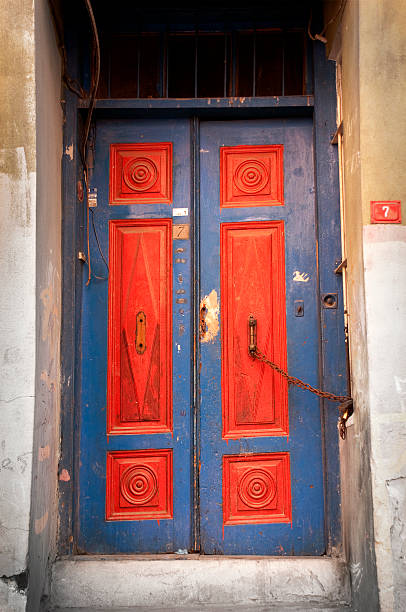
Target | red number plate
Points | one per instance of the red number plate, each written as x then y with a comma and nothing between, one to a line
386,212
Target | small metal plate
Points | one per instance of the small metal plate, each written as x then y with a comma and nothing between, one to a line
386,212
299,308
181,232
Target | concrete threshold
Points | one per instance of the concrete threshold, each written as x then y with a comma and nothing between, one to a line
267,608
196,582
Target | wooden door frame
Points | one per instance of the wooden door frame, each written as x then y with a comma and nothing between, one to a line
321,106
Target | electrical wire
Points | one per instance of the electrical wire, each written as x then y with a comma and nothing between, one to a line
72,84
321,36
95,72
98,242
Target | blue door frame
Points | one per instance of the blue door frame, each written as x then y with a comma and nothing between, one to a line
322,106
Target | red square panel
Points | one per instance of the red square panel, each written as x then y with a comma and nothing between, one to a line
256,489
139,485
251,176
141,173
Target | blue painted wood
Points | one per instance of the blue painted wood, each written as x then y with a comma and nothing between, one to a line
333,355
306,534
301,102
95,535
72,242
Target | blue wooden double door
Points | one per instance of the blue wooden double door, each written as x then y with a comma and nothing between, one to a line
186,442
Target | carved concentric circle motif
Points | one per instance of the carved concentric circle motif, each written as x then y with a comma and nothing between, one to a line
138,484
251,176
140,174
257,488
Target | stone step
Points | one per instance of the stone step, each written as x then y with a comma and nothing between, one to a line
199,583
296,608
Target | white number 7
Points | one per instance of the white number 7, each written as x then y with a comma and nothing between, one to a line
386,210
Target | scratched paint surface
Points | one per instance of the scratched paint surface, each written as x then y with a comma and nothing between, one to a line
134,476
260,494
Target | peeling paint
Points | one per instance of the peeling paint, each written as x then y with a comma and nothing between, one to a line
212,316
64,475
69,151
50,314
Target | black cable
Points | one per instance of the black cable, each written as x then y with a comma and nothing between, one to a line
83,152
97,241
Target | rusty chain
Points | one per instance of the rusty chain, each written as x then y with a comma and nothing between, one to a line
346,403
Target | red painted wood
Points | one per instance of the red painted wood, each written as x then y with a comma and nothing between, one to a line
139,485
255,398
386,211
256,489
139,388
251,176
141,173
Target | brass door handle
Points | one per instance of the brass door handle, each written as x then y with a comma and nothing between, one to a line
252,335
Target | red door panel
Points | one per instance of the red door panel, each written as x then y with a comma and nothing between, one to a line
141,173
255,401
140,307
251,176
256,489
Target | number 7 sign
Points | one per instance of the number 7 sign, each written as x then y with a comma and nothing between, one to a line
386,212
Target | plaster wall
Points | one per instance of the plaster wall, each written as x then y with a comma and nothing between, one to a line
49,121
17,296
373,46
355,451
383,155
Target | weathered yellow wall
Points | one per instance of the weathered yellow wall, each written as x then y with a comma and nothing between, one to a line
382,56
355,451
17,91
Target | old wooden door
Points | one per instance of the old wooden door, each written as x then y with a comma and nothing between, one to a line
239,471
135,423
261,482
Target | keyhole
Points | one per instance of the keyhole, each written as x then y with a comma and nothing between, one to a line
299,308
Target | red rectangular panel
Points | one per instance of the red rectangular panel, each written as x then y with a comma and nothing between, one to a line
139,388
139,485
256,489
141,173
255,398
251,176
386,212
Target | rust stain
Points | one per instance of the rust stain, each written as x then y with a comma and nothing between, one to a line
46,378
212,310
41,523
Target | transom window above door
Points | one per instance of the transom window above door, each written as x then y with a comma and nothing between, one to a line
202,64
